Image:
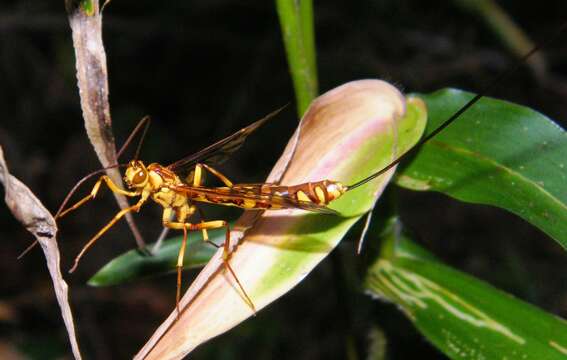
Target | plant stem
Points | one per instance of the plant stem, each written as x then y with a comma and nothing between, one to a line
296,21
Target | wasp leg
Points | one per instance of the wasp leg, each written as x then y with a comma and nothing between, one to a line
217,224
205,233
182,214
113,187
226,253
180,257
198,175
81,202
197,179
117,217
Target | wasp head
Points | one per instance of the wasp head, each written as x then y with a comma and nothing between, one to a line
136,175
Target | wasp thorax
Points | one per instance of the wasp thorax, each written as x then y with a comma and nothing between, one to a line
136,175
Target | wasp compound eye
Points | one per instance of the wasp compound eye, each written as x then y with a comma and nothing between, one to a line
139,177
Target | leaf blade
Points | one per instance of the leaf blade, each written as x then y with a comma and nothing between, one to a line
134,264
461,315
33,215
498,154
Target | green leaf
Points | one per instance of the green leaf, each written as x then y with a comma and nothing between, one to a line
461,315
497,153
134,264
296,22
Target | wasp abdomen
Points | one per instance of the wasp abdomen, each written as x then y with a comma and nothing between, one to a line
320,192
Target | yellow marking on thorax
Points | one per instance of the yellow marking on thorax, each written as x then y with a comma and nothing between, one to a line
162,194
156,181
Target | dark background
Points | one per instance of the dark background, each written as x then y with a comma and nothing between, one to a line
203,69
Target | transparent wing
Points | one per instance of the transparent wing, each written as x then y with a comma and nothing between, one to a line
219,151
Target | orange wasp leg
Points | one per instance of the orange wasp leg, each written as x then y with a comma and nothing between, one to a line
111,185
207,225
183,213
180,257
117,217
215,172
197,180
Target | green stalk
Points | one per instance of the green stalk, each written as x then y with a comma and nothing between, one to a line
510,33
296,21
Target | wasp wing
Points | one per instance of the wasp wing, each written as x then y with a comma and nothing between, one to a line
239,193
284,200
219,151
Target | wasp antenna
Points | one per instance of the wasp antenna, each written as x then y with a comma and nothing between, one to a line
27,250
139,147
145,122
488,88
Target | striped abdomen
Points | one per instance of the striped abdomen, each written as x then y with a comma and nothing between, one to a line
320,192
313,196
